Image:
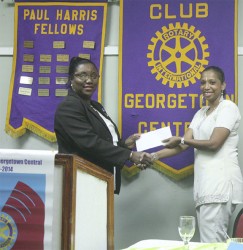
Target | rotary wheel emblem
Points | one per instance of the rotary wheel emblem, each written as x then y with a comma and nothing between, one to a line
8,231
177,55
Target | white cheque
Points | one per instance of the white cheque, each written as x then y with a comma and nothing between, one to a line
153,139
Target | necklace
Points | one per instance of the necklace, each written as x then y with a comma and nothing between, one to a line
210,110
221,98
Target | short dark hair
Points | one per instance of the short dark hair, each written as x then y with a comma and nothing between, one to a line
75,61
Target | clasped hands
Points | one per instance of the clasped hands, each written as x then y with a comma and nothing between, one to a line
147,159
143,159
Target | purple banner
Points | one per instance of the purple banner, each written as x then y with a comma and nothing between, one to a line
47,36
165,46
80,1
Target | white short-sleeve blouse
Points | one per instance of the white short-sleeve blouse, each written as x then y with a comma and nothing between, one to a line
216,174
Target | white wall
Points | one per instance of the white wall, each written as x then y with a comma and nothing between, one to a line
149,204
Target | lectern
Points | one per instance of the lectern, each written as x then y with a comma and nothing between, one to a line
87,205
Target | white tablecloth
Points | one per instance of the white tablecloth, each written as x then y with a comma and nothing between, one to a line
175,245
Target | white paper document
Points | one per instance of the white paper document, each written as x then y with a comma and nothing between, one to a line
153,139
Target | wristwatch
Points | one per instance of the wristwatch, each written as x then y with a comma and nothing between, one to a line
182,140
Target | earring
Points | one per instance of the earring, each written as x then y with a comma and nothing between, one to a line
72,87
222,96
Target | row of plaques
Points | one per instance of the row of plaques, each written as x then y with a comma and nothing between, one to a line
42,92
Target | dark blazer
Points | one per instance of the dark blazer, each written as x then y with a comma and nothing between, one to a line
80,130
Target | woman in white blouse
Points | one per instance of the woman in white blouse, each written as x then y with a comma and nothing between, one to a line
218,183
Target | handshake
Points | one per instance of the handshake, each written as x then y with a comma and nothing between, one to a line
142,159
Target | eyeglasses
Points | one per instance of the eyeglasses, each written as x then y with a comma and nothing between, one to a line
85,76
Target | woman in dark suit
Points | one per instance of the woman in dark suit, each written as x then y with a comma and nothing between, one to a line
83,127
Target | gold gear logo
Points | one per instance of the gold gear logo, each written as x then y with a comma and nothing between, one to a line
178,55
8,231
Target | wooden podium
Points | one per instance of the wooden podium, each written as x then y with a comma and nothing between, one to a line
87,205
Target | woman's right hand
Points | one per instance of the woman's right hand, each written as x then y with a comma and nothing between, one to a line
141,159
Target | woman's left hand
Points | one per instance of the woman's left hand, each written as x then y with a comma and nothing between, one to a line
172,142
131,140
